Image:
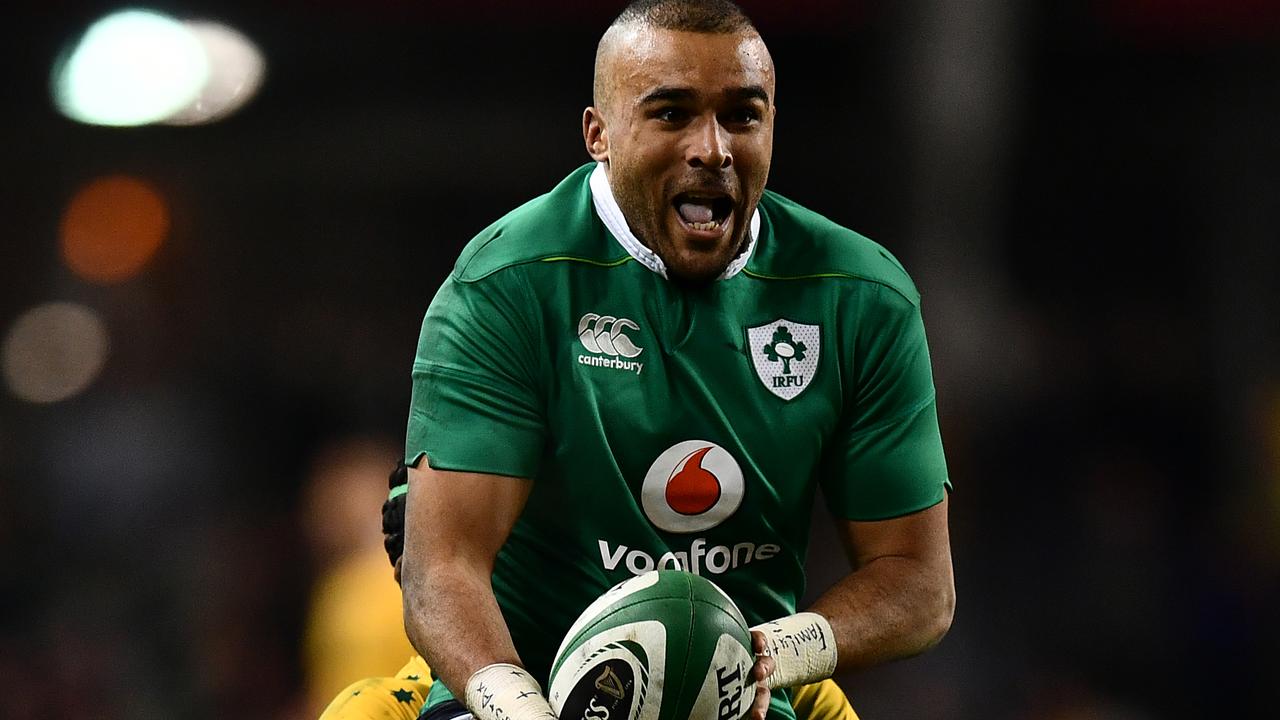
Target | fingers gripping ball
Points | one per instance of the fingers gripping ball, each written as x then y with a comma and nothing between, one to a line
393,512
666,645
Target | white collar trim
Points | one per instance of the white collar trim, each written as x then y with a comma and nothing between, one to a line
611,215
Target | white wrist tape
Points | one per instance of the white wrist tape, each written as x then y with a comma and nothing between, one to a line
803,647
503,691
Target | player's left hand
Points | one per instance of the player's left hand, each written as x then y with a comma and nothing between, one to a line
763,668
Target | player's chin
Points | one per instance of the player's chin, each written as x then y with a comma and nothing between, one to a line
699,256
694,269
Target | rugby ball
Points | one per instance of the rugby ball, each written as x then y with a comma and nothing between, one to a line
666,645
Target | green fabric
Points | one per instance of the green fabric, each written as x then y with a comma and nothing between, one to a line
503,384
436,695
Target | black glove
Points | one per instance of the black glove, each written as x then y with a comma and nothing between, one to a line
393,512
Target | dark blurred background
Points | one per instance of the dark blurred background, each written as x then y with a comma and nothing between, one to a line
1086,192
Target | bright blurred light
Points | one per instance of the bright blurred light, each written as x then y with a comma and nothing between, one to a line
235,72
131,68
53,352
112,227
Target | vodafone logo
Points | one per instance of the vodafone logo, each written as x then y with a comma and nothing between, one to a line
692,486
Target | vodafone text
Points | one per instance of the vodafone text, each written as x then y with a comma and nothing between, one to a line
714,559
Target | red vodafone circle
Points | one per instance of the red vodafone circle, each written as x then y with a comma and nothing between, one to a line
692,486
692,489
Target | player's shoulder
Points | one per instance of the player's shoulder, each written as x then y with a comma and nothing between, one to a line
559,224
798,243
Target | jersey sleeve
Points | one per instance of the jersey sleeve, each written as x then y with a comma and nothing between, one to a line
887,459
475,404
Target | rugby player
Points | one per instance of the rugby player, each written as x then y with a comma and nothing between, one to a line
655,365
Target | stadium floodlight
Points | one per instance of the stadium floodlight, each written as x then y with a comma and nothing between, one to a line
132,67
112,227
236,68
53,352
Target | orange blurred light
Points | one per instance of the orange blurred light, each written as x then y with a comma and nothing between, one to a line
112,227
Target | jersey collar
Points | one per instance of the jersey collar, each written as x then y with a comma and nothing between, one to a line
611,215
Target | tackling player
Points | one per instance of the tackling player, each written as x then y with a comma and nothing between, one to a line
655,365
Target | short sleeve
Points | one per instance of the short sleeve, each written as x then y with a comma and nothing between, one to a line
475,404
886,459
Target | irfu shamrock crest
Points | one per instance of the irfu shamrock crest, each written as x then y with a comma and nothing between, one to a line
785,355
785,348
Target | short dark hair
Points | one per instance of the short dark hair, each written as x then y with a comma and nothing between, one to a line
715,17
700,16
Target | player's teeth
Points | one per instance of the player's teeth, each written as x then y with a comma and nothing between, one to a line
705,225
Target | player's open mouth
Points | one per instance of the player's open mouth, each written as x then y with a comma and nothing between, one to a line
703,214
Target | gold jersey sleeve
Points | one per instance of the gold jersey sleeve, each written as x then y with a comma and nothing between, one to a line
384,698
821,701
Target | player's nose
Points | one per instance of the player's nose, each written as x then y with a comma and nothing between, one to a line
709,146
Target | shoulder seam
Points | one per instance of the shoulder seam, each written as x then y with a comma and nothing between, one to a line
598,263
549,259
460,271
541,331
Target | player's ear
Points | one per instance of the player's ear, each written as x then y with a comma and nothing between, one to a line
594,134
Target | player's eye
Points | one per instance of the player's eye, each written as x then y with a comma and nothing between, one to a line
741,117
672,115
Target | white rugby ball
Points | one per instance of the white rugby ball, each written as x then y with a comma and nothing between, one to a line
666,645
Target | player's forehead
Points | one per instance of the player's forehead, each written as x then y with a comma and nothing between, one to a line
644,59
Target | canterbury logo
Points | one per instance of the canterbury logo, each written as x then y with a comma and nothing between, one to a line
603,334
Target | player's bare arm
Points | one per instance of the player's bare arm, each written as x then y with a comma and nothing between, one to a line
900,597
455,522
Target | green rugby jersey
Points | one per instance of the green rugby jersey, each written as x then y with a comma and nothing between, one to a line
665,426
